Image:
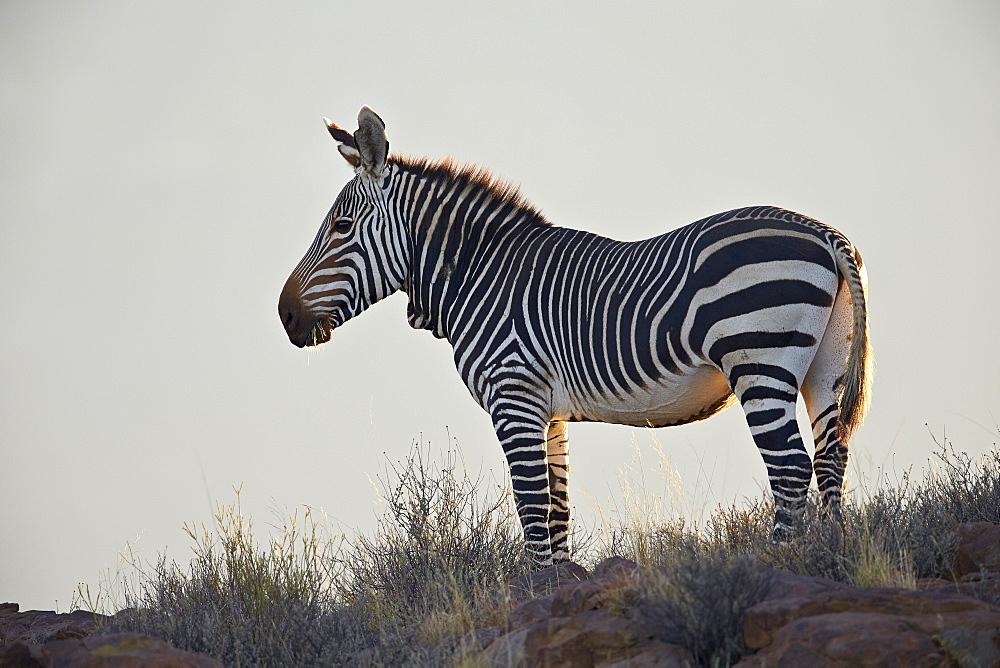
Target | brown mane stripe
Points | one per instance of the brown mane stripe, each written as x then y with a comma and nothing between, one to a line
469,174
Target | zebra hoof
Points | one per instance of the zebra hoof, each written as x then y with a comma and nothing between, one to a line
782,534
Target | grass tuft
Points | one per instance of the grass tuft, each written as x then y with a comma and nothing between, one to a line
244,603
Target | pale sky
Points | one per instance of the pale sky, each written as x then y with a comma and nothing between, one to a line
163,167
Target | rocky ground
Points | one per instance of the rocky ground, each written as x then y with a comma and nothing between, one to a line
42,638
565,616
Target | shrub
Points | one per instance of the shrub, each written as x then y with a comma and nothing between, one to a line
433,570
915,520
891,536
701,579
698,599
437,564
243,603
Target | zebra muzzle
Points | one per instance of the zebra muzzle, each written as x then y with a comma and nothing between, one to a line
303,328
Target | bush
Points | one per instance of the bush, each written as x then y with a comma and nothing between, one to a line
243,603
915,520
700,580
434,569
698,598
890,537
437,564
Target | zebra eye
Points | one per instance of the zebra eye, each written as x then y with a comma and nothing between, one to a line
343,225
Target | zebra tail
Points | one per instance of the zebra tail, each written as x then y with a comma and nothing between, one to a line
856,393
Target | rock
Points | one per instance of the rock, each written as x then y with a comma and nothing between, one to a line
846,639
868,638
580,597
545,581
785,585
874,626
615,567
479,639
570,626
984,586
530,612
610,576
19,653
41,638
978,549
507,650
655,654
593,638
39,627
764,619
122,650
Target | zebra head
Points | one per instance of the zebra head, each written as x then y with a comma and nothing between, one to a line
358,256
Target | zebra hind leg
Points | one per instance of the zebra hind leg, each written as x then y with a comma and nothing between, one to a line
523,442
830,461
557,451
821,390
770,413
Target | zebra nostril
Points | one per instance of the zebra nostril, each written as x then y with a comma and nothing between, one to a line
289,309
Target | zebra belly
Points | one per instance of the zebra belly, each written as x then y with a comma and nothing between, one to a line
673,400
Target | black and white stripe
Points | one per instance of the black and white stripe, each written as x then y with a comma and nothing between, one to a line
551,325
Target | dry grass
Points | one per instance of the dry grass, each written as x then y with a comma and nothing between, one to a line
435,567
700,578
433,570
697,598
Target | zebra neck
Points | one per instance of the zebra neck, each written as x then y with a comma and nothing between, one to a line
454,223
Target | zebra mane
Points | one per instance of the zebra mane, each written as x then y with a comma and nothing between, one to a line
474,175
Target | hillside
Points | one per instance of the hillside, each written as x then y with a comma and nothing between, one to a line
913,577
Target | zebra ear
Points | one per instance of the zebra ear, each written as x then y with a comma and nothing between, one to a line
345,143
371,142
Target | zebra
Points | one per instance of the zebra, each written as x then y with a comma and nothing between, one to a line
551,325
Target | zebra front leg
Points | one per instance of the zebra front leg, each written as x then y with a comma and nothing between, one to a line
523,441
557,452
